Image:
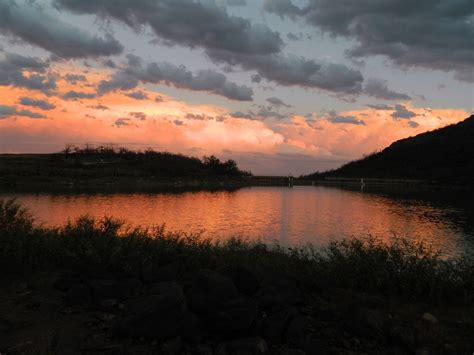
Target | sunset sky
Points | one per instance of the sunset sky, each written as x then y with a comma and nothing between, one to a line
280,86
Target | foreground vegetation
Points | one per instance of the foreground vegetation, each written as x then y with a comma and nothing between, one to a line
362,290
108,166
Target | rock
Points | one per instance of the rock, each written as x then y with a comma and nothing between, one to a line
66,281
244,279
274,298
168,272
210,290
243,346
108,304
167,295
129,288
430,318
404,337
367,323
5,325
104,290
159,316
233,317
79,294
21,348
289,351
275,325
173,346
297,330
159,325
203,349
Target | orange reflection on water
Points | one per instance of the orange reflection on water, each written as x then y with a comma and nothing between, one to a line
290,216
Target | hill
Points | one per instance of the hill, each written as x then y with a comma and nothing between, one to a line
107,165
444,155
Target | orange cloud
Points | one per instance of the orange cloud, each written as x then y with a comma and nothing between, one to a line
177,126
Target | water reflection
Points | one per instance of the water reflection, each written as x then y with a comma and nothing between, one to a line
290,216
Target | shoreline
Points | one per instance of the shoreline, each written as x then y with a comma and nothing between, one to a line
227,184
88,287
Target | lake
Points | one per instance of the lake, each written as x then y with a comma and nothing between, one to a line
290,216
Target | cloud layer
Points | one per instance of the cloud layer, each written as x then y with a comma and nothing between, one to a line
434,34
32,24
177,75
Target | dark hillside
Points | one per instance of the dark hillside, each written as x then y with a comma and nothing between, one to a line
444,155
110,166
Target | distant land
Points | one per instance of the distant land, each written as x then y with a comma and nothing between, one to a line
445,155
107,166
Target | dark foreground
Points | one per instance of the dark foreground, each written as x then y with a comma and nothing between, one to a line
100,288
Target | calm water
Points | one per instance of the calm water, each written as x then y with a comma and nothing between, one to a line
290,216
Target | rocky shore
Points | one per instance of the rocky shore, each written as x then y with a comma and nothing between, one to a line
98,287
234,310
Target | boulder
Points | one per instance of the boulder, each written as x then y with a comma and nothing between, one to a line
243,278
159,316
274,326
166,295
428,317
66,281
275,298
367,323
232,317
404,337
297,330
79,294
105,289
210,290
243,346
129,288
167,272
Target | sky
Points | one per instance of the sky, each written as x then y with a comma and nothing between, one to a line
280,86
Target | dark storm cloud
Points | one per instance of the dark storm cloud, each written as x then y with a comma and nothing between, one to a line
275,101
236,2
262,114
381,107
199,117
138,95
282,8
78,95
178,76
74,78
33,25
293,37
378,89
99,107
189,23
240,114
122,122
435,34
256,78
42,104
12,111
296,71
401,112
14,66
140,115
335,118
226,39
110,63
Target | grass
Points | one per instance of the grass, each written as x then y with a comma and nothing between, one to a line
404,269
